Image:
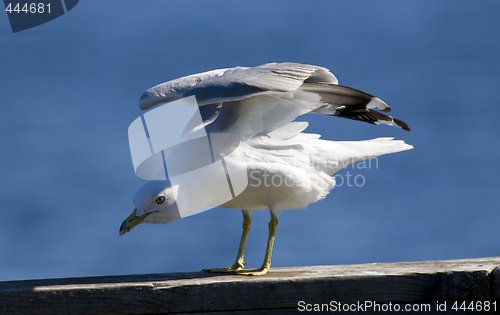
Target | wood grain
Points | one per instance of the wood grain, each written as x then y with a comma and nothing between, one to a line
280,290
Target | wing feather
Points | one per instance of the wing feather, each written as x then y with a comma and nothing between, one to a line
255,101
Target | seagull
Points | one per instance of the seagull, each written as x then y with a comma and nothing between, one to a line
286,168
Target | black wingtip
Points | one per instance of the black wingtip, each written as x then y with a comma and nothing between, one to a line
401,124
360,113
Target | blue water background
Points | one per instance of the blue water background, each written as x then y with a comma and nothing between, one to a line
70,88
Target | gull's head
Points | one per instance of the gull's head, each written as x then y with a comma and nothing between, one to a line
154,203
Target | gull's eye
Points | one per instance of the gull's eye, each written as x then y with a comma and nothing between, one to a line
160,199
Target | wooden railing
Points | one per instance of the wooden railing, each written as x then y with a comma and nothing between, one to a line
357,289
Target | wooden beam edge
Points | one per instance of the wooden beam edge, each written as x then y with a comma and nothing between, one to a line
282,288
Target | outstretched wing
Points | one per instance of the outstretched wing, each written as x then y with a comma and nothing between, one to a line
255,101
236,83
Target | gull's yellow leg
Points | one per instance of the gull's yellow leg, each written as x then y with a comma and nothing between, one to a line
266,265
239,263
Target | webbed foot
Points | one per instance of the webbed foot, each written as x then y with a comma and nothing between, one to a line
254,272
237,266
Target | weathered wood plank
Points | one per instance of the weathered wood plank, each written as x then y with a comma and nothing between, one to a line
281,289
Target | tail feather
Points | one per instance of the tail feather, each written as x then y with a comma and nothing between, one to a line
344,153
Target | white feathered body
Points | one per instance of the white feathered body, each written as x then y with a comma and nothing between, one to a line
293,173
287,169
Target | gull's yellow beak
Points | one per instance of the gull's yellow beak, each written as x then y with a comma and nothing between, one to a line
131,222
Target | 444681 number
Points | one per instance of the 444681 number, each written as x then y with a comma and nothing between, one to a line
475,306
32,8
